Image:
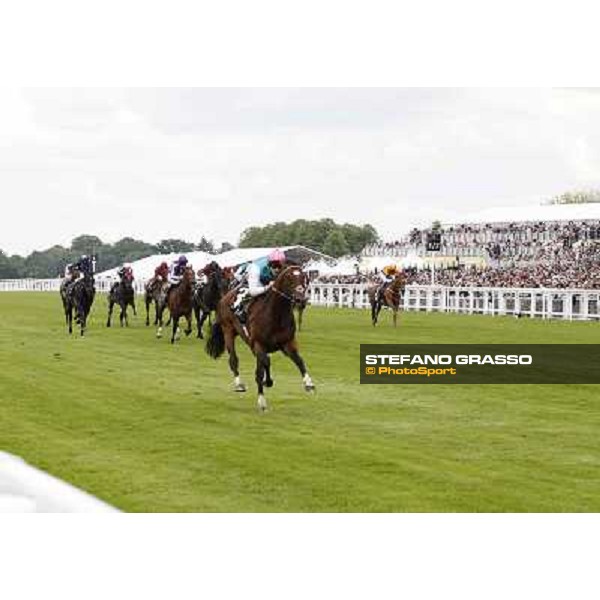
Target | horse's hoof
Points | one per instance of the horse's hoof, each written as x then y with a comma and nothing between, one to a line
269,383
240,387
262,404
310,388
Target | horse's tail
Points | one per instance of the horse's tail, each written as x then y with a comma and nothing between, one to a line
215,345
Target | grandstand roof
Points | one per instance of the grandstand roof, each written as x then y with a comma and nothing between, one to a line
144,268
522,214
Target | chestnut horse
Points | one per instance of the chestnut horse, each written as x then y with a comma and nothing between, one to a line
179,301
270,327
390,298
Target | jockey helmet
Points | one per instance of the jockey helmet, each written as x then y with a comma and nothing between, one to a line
276,257
182,260
84,257
127,266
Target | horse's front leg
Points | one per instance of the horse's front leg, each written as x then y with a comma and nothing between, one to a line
175,321
111,305
188,318
262,366
147,303
291,350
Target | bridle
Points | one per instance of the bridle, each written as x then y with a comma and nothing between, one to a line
281,293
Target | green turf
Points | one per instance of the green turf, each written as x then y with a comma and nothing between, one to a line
151,427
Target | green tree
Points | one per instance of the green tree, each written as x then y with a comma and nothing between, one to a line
205,245
225,247
8,267
335,244
174,246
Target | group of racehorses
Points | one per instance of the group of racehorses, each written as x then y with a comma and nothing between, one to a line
270,325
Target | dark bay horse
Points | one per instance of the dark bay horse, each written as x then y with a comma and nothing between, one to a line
155,291
179,301
207,295
122,294
78,298
390,298
270,328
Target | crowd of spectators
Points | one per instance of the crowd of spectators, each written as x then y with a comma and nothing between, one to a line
532,255
499,241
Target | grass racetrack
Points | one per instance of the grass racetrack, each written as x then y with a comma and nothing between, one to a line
151,427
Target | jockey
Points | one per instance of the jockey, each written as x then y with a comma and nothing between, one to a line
177,269
386,276
256,279
125,272
161,273
83,265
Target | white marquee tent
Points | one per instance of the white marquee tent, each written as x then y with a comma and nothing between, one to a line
144,268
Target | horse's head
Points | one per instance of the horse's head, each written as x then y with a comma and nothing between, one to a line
398,281
188,275
292,283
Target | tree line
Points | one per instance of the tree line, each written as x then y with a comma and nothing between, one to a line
51,262
323,235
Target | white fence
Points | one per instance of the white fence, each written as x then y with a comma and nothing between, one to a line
53,285
572,304
536,302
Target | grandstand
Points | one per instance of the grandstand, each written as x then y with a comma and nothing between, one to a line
554,246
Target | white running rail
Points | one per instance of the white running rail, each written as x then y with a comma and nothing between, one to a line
572,304
545,303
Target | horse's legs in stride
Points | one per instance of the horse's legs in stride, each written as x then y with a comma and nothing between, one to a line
262,363
188,318
133,307
395,314
70,318
234,362
175,327
111,305
201,321
198,322
147,303
291,350
374,313
159,319
123,315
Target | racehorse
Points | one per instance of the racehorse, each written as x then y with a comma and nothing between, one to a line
179,301
270,327
122,293
390,298
207,295
78,297
155,291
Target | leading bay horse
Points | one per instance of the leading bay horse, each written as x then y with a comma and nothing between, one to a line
78,297
390,297
270,327
123,294
180,302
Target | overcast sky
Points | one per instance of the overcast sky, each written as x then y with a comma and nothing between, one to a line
158,163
